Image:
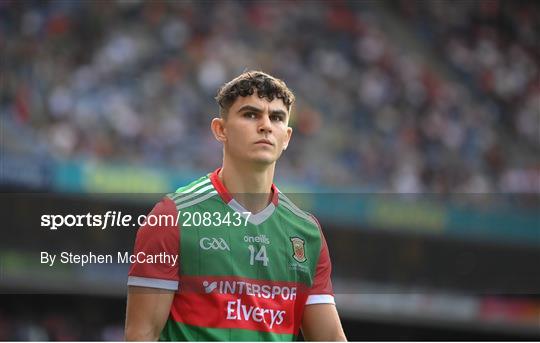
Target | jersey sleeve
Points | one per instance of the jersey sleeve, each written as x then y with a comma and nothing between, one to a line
321,292
157,241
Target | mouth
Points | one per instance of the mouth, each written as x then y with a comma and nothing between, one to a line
264,141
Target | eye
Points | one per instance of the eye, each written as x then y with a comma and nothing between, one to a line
250,115
276,118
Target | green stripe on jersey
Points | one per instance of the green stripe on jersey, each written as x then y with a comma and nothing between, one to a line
287,203
194,199
174,331
192,186
193,193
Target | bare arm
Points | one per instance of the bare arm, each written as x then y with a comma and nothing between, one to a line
146,313
321,323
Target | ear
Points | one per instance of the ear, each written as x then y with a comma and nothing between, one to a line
289,134
218,129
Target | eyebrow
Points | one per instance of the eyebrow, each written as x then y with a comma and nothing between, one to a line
258,110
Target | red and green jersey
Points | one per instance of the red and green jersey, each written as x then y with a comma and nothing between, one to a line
239,276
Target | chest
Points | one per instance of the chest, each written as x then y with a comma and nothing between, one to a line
277,249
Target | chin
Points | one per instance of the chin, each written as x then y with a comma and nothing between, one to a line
263,159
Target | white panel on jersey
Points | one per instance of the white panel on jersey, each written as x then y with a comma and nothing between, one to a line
320,299
152,283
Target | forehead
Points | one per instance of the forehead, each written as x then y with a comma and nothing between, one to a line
262,103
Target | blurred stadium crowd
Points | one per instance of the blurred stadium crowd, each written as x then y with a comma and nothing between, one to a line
406,96
133,81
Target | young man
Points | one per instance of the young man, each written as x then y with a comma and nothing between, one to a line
251,266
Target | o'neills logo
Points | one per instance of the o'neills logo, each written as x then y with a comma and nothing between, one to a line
299,253
257,239
238,311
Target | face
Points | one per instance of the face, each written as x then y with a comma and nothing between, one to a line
254,129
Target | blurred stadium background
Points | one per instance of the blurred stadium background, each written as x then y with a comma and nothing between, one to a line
416,143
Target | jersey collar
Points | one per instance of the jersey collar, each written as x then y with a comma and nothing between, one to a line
256,218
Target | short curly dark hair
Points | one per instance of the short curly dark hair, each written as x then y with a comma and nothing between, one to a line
245,84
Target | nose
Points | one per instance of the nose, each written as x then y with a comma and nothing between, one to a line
265,125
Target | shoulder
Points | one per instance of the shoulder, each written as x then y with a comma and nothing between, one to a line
290,209
194,186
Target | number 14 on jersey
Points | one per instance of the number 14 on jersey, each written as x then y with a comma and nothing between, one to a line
259,256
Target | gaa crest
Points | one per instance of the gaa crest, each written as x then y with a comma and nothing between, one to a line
299,253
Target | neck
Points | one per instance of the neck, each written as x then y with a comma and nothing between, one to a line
250,186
